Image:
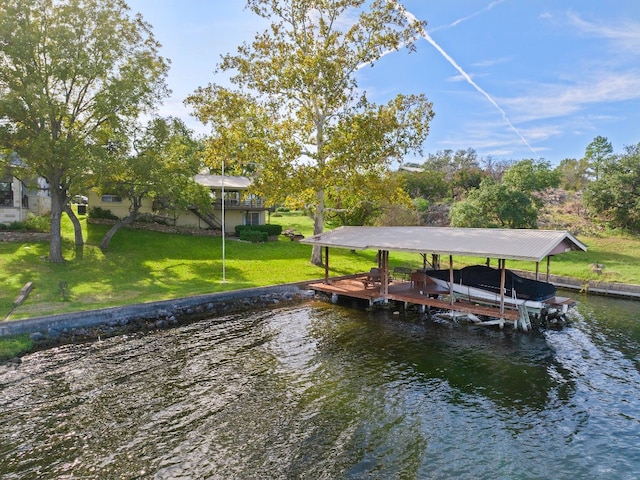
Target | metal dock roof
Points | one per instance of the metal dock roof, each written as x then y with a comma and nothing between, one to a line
512,244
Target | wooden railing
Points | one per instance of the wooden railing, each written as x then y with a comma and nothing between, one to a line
240,204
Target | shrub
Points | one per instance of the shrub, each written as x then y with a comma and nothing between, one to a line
253,236
269,229
282,209
17,227
31,224
97,212
38,224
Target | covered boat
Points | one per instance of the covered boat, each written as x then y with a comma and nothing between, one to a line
482,282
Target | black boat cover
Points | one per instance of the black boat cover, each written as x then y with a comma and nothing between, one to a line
487,278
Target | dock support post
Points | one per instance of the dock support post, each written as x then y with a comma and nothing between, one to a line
326,265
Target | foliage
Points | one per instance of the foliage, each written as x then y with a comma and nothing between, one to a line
362,198
270,229
98,212
430,185
31,224
74,75
162,168
531,176
13,346
460,170
398,215
253,236
510,203
494,205
298,117
573,174
598,154
615,196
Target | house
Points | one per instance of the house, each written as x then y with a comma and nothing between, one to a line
18,199
240,207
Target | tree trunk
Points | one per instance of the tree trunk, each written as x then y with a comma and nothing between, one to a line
104,244
318,227
76,225
58,202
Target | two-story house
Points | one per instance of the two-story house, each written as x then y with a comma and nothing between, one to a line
240,207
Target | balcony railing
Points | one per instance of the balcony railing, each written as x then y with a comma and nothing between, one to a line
239,204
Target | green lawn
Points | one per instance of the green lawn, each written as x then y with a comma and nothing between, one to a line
143,266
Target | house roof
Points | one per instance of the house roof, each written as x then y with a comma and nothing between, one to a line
515,244
216,181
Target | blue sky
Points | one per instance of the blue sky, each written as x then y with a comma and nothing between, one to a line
512,79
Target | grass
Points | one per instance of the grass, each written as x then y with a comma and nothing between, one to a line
143,266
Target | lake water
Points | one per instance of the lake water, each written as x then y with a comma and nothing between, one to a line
318,391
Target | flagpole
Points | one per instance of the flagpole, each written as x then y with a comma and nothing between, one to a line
224,273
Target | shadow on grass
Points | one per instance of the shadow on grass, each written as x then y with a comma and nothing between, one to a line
143,266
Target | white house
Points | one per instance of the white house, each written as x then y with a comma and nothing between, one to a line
240,207
18,199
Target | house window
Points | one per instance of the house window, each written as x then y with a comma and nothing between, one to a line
252,218
110,199
6,194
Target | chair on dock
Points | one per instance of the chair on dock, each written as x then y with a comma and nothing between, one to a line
374,276
418,279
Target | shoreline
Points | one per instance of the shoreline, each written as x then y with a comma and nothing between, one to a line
161,314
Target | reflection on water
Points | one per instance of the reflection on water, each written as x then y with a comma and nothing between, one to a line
322,391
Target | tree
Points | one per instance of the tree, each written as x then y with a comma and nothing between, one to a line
615,196
531,176
428,184
310,125
510,203
73,75
460,168
573,174
362,200
162,169
597,155
494,205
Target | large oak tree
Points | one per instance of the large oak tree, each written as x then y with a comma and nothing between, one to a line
73,75
296,113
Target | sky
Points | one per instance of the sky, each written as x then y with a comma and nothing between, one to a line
511,79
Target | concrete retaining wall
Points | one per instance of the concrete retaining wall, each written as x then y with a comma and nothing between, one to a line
154,314
623,290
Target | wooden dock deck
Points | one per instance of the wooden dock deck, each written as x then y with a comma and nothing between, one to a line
428,295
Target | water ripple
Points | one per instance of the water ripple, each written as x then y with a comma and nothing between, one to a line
324,392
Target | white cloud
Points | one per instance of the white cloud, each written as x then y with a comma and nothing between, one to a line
625,35
491,62
548,100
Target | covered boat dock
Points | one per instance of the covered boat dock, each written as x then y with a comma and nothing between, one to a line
385,284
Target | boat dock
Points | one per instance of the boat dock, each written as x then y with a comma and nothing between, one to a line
419,289
407,292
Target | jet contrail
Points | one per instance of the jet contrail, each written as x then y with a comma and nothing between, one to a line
464,74
488,7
